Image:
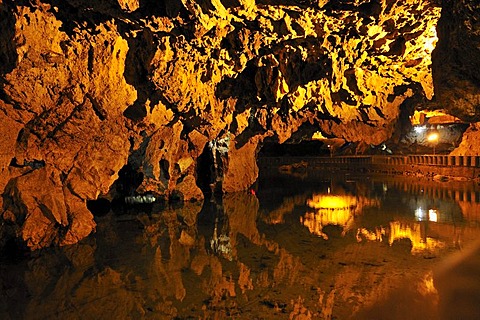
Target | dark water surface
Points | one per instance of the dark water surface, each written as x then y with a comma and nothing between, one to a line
296,247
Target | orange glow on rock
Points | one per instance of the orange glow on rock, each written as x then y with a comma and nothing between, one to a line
420,242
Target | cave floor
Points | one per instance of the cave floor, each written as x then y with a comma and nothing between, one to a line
325,246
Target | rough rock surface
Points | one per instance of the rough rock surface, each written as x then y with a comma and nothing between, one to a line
470,144
457,59
89,87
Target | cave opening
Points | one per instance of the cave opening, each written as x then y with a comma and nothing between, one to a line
122,193
205,176
128,181
99,207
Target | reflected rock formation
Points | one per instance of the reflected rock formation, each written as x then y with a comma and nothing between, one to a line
339,210
420,241
162,265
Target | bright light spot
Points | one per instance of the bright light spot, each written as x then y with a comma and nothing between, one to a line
329,210
318,136
420,129
420,241
431,42
420,214
432,137
432,215
331,202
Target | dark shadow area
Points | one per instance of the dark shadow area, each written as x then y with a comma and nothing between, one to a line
230,3
371,9
140,54
99,207
296,3
304,148
256,82
242,86
84,14
317,66
205,172
12,251
165,8
128,181
8,54
136,111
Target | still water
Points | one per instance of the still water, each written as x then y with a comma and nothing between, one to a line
319,247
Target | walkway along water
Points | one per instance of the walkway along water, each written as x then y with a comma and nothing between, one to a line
438,166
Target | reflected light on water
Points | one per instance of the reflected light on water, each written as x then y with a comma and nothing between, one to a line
332,202
398,231
420,214
376,235
338,210
432,215
424,215
250,257
420,242
329,210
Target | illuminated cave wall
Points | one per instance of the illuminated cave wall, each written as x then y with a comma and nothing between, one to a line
88,87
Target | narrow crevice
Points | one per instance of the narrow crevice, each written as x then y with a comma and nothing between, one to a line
99,207
205,172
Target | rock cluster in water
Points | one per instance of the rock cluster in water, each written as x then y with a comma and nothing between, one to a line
174,98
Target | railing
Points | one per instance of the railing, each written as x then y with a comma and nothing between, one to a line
430,160
427,160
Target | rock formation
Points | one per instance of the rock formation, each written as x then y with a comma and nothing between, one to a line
456,59
181,94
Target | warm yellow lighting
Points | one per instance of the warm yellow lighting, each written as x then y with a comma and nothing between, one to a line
426,287
420,118
316,221
339,210
318,136
329,210
433,137
332,202
414,233
431,42
376,235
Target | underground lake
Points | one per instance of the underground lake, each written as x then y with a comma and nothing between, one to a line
322,245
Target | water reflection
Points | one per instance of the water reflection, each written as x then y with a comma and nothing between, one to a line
332,209
313,249
342,210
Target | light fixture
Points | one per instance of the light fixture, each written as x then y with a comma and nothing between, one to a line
432,137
